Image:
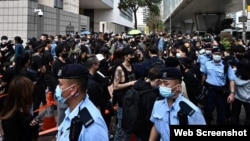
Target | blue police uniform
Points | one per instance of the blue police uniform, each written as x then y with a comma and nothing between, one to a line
216,85
202,59
215,73
97,131
96,128
162,116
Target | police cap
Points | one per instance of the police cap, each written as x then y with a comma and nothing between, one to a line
72,71
170,73
217,49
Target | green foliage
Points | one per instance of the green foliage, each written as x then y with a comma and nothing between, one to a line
135,4
226,43
154,22
226,40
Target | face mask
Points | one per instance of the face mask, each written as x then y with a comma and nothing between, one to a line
178,55
202,51
217,57
132,60
56,40
166,92
208,52
4,41
64,55
120,40
58,93
234,69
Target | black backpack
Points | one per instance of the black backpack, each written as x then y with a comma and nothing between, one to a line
131,111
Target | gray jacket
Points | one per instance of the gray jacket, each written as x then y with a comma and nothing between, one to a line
242,90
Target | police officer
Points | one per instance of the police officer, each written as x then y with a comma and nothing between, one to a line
214,78
166,111
73,80
207,56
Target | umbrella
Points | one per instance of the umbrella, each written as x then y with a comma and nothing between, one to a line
85,33
134,32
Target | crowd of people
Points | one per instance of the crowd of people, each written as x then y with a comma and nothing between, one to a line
89,75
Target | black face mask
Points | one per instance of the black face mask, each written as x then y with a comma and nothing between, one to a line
65,55
120,40
132,60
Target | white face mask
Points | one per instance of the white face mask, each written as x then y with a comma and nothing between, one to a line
208,52
234,69
178,55
4,41
217,58
202,51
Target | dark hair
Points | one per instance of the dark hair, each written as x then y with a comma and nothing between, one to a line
21,61
18,39
153,73
183,49
153,49
81,82
45,35
127,51
243,69
59,49
90,61
19,97
172,62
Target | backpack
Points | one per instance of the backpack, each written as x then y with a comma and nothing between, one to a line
119,45
131,111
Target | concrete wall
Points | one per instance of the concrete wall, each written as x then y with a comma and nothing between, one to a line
49,3
71,6
18,18
113,21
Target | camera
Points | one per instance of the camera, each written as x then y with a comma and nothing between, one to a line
39,12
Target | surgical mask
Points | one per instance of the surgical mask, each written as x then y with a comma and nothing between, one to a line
4,41
217,58
178,55
202,51
166,92
132,60
65,55
208,52
58,94
234,69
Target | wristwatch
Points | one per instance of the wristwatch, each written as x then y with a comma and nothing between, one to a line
231,92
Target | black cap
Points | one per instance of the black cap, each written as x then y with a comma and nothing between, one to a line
72,71
170,73
217,49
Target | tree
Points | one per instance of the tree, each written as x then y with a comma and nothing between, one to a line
154,22
134,5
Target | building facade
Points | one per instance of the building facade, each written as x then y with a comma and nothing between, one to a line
18,17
